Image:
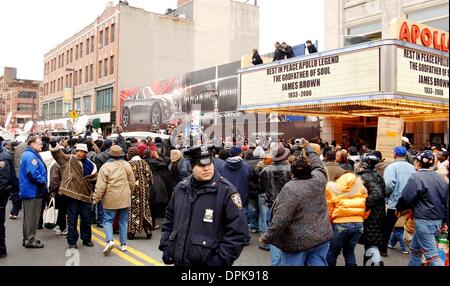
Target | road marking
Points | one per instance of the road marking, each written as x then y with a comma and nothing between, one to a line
131,250
119,253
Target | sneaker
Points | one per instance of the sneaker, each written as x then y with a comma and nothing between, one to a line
253,230
390,246
405,252
64,232
12,217
123,247
56,229
109,246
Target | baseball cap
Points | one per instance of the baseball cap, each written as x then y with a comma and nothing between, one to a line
400,151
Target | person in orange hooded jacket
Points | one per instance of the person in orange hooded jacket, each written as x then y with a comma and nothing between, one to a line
346,199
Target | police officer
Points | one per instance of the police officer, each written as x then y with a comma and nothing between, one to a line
204,223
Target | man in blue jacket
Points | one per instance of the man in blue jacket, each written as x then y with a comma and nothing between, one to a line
396,175
33,189
240,175
204,223
426,193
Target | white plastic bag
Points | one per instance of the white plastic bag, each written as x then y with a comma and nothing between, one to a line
50,215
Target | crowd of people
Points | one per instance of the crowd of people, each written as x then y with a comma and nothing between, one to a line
308,201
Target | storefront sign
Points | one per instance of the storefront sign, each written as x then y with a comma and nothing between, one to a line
325,77
422,73
389,136
419,34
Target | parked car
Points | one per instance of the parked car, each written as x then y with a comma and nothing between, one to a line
147,108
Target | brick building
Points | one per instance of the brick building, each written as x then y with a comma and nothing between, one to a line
127,47
20,97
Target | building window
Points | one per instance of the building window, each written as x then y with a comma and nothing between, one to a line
24,107
21,120
87,104
87,47
113,32
45,111
100,72
71,55
106,36
80,76
106,67
67,80
92,44
27,94
78,104
91,76
67,56
81,50
104,100
76,52
59,61
75,78
70,79
100,40
111,65
86,74
59,107
62,59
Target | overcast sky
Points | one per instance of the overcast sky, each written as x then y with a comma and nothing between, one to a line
30,28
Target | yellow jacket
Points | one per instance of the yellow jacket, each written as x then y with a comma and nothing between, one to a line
346,199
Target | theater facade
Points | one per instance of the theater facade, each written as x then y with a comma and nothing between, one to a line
348,89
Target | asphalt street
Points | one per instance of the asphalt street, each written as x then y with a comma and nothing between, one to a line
142,252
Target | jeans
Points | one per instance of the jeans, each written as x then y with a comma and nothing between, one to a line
108,224
275,252
61,204
97,214
3,202
424,242
345,238
388,225
315,256
252,214
75,209
16,203
264,213
246,211
397,235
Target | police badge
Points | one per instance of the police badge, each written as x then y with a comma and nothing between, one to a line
236,198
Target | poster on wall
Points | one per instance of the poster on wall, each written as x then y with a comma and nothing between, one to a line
158,104
389,136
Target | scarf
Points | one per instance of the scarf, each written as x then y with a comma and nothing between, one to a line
88,167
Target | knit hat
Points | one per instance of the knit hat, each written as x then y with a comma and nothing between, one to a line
259,152
142,147
132,152
400,151
107,144
175,155
235,151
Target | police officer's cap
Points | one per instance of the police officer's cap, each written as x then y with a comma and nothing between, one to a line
199,154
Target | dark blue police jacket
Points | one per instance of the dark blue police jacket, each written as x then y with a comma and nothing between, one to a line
205,226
